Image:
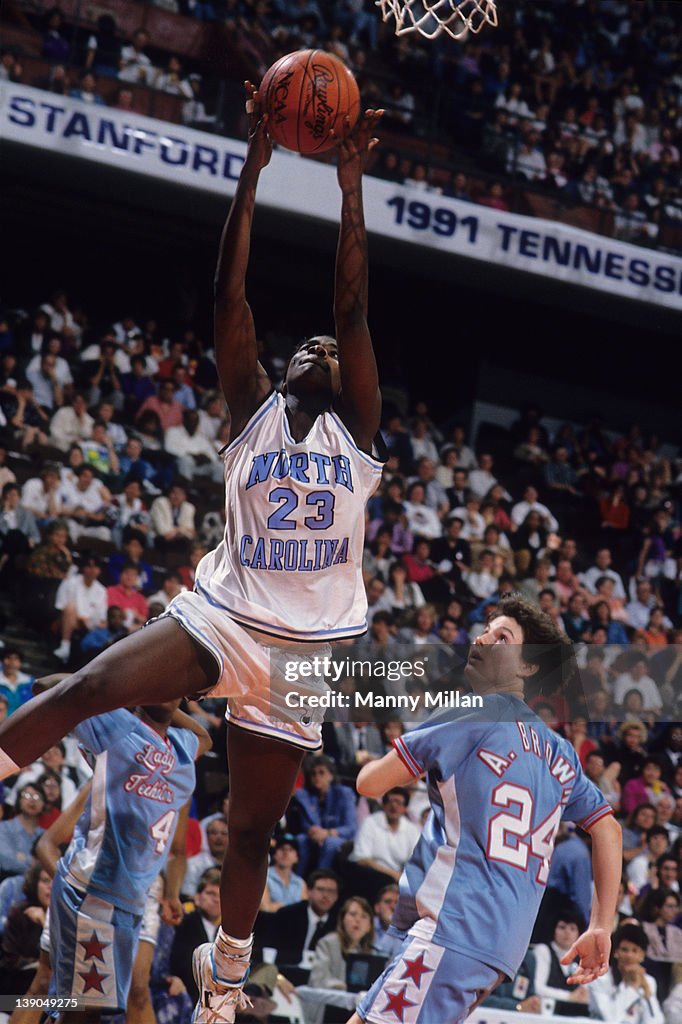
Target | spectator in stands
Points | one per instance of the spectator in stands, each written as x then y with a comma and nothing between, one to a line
601,568
527,161
170,588
20,944
47,390
354,934
18,530
15,685
52,559
165,405
196,927
87,90
18,835
640,870
570,874
283,886
136,384
85,506
530,504
606,779
384,906
28,421
82,600
421,519
96,640
134,64
626,990
132,553
399,105
194,454
647,787
71,424
386,839
639,610
216,836
656,632
513,103
377,557
172,80
388,166
631,223
55,47
103,49
658,912
298,928
551,976
483,581
494,197
323,815
126,596
574,619
99,453
665,811
173,521
194,111
601,619
636,678
358,743
528,543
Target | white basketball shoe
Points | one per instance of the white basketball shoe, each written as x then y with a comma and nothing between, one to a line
218,999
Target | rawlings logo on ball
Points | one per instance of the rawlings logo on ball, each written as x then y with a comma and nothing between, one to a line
321,110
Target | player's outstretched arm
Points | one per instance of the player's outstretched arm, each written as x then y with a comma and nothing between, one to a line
360,403
243,380
593,947
377,777
60,831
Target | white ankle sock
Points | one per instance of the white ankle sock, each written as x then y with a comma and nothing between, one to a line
232,956
7,765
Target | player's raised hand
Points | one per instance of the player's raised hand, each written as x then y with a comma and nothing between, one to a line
593,949
354,146
260,143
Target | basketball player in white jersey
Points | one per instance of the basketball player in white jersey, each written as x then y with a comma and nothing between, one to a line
286,578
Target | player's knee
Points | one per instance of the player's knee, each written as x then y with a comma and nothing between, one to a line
88,687
250,838
139,993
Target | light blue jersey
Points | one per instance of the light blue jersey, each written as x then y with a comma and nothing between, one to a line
499,783
140,783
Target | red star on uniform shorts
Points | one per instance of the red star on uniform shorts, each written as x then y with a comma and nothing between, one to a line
93,980
397,1003
93,947
414,969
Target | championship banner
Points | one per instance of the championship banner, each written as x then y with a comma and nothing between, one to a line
211,163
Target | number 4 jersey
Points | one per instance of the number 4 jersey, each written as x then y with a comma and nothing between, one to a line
499,783
140,783
290,561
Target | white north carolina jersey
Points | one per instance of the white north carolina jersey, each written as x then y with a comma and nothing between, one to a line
290,561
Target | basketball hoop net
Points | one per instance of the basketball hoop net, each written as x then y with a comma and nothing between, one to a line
431,17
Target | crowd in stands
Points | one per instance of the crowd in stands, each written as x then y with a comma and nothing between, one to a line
577,100
110,477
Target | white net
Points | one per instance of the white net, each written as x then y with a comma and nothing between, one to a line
431,17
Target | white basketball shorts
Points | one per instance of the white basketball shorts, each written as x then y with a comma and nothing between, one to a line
267,680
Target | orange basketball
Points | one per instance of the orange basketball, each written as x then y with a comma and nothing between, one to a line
307,95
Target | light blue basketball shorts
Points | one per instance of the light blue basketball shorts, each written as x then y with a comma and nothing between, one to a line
427,984
92,947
